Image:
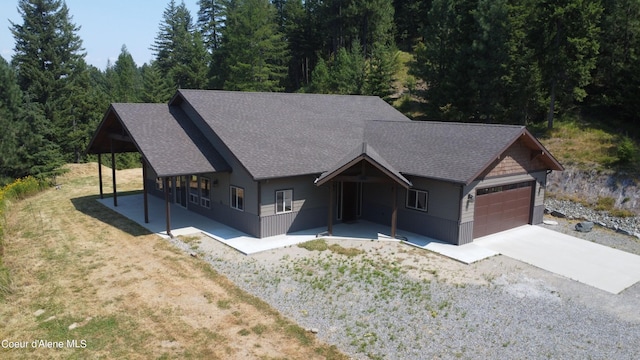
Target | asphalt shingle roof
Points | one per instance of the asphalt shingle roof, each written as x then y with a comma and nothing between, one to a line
278,134
168,139
455,152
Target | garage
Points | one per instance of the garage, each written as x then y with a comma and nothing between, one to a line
500,208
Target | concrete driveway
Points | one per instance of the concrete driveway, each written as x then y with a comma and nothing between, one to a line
596,265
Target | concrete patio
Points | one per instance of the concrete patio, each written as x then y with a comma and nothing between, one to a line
184,222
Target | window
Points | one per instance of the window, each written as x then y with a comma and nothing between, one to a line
237,198
194,189
417,199
159,184
284,201
205,192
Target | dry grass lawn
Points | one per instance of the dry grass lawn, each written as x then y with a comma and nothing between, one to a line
82,272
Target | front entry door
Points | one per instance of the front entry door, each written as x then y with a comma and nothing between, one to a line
349,201
181,190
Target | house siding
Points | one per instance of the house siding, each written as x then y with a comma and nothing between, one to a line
310,206
440,221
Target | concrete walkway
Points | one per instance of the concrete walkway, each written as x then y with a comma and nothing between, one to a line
596,265
184,222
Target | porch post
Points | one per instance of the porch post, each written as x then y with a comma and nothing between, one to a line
394,211
167,206
144,191
113,175
100,174
330,216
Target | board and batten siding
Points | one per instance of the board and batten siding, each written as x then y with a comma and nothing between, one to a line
309,208
441,219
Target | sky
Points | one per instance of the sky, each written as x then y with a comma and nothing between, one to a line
105,25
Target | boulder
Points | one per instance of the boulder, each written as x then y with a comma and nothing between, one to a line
584,226
558,214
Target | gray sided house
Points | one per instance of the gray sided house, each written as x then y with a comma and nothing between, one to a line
273,163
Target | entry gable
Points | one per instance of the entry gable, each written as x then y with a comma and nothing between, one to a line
363,152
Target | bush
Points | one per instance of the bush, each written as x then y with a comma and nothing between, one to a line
626,150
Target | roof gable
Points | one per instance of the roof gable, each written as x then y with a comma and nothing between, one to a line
366,153
163,135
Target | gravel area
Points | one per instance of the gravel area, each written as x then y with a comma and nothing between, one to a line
393,301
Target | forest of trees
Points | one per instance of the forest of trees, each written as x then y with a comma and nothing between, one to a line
502,61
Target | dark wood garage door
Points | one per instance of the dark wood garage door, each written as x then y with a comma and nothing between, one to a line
501,208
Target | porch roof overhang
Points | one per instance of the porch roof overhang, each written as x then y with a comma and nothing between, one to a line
363,152
163,135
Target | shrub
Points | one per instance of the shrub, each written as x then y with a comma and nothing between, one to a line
626,150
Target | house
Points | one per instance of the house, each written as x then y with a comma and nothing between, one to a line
273,163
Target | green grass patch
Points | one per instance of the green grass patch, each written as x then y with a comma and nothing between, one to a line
321,245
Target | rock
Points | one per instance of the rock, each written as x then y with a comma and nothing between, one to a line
313,330
73,326
558,214
636,234
549,222
584,226
624,232
38,312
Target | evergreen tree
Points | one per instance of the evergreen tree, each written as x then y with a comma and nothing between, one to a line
255,51
565,36
381,70
179,49
155,87
48,58
10,109
210,23
618,74
124,79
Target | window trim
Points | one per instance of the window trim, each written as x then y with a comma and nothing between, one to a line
205,201
276,203
194,197
232,196
417,192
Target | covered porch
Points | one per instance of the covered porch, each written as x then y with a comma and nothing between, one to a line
187,223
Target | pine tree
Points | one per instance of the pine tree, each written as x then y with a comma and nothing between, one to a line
255,51
381,70
179,49
48,58
10,108
155,87
618,71
565,36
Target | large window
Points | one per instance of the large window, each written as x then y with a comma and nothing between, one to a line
194,190
205,191
417,199
237,198
284,201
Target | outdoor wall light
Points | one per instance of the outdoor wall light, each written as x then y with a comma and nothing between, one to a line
470,197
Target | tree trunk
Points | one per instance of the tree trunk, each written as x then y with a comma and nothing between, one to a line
552,104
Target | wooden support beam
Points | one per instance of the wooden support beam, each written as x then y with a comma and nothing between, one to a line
100,174
145,191
363,179
119,137
167,206
330,216
113,175
394,211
